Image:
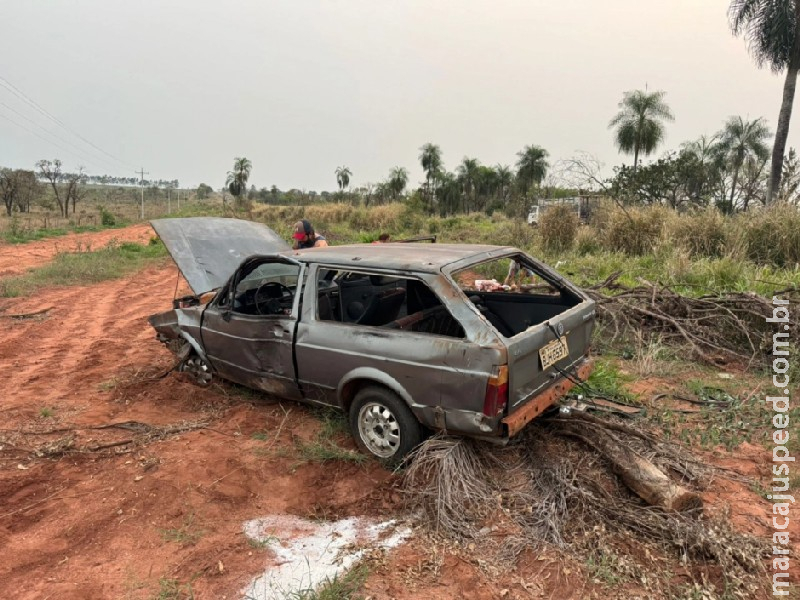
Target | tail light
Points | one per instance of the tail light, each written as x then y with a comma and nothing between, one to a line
494,403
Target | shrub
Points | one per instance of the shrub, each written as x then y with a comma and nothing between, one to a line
703,233
587,240
107,218
635,231
772,236
558,227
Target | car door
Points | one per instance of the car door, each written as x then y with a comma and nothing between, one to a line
248,331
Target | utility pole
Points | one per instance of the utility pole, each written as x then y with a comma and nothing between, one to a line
142,173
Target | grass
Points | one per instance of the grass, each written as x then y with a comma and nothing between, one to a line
186,535
46,412
606,381
604,567
344,587
322,451
84,268
260,436
172,589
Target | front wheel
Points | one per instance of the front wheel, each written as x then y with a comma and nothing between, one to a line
383,425
198,369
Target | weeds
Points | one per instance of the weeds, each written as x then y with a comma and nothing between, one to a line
84,268
172,589
186,535
344,587
322,451
46,412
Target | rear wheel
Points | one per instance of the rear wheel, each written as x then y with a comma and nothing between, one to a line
383,425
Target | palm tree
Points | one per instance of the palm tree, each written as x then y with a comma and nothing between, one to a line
531,166
504,179
236,181
740,140
772,31
343,175
430,157
639,123
468,175
708,161
398,179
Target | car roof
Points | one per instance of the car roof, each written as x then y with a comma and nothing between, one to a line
423,257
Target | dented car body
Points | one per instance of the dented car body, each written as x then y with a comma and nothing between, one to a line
399,336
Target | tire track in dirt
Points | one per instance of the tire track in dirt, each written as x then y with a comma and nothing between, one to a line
87,330
17,258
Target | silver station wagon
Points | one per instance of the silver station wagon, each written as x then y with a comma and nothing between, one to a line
405,338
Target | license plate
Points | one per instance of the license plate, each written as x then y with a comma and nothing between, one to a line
553,352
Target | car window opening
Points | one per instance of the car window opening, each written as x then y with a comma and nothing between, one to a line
404,304
513,294
266,290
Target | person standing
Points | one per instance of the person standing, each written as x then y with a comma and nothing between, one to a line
305,236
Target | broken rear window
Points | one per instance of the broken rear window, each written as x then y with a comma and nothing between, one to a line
512,293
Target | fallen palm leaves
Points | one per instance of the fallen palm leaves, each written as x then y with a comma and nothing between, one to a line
544,488
718,327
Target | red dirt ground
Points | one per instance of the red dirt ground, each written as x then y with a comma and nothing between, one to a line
81,518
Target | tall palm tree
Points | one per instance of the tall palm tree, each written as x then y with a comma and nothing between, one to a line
708,161
237,179
772,31
343,175
398,179
531,166
430,157
639,123
469,175
740,140
504,179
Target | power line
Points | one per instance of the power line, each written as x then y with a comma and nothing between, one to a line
25,98
37,135
76,150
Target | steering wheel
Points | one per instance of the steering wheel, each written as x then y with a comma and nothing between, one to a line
274,292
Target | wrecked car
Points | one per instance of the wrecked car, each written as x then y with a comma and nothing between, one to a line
396,335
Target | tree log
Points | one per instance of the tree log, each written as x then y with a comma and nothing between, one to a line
643,478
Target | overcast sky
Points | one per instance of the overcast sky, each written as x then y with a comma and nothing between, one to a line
181,87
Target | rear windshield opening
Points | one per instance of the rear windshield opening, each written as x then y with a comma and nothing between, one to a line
513,294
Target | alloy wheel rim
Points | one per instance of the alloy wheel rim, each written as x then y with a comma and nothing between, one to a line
379,429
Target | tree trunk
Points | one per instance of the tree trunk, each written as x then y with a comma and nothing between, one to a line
733,186
785,115
643,478
635,158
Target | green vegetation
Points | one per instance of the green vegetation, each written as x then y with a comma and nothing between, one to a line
322,450
186,535
172,589
84,268
344,587
607,382
46,412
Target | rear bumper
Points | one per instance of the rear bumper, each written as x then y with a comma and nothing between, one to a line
517,421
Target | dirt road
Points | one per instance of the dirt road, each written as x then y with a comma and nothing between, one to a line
119,479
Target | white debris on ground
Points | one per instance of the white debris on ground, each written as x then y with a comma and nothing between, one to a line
305,554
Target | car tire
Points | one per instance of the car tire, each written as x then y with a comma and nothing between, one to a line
197,369
383,426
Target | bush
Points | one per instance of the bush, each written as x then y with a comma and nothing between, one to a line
107,218
635,231
703,233
558,227
587,241
772,236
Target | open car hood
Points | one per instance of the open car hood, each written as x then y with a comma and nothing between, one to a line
207,250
